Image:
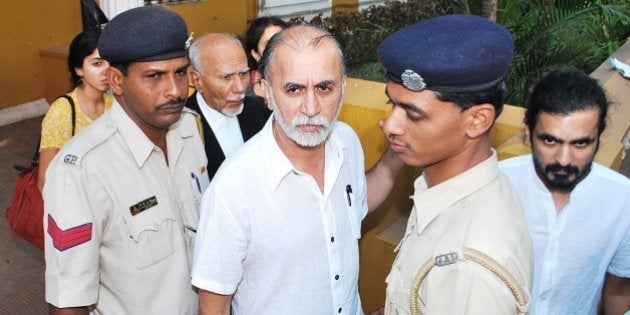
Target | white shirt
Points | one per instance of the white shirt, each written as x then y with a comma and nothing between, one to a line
270,237
120,220
225,128
574,249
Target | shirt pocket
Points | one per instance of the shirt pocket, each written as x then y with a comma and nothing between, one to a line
355,215
151,236
198,184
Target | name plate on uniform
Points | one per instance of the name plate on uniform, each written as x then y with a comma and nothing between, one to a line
143,205
446,259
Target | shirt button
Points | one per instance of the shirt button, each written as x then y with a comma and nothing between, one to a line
339,310
332,239
336,277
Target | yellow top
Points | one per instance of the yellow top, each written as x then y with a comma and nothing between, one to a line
57,124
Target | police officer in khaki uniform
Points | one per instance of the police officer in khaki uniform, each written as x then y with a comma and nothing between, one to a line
121,199
466,249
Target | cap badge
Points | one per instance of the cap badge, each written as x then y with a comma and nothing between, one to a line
412,80
189,40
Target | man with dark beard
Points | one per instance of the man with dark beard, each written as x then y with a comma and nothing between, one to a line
577,211
121,198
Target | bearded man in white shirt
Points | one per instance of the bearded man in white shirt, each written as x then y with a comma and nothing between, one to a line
576,210
281,220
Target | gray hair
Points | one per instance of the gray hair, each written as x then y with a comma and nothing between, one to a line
297,36
196,49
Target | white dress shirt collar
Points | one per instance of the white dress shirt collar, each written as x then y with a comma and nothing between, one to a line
226,129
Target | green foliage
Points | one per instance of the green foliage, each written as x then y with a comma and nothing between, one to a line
549,34
360,33
560,35
372,71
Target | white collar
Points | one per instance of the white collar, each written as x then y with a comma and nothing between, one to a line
214,118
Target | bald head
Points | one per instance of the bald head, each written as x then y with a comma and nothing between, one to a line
304,84
299,38
212,44
220,72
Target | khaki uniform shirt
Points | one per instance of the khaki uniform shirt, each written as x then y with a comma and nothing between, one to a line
477,209
120,220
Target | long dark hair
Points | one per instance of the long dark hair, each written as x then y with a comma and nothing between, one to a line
82,46
563,93
255,32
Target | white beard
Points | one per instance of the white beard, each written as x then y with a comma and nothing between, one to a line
293,132
233,113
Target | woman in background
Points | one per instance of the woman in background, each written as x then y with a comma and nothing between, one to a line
256,38
87,73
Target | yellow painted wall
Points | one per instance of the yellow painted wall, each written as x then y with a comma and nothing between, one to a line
345,6
31,25
25,27
216,15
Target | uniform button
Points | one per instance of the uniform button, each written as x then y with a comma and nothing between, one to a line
336,277
332,239
109,126
339,310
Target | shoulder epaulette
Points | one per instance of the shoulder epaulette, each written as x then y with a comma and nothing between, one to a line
82,143
186,113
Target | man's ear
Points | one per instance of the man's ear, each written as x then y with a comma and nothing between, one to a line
481,119
194,79
266,88
115,78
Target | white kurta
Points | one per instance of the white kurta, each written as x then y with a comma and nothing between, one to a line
269,236
573,250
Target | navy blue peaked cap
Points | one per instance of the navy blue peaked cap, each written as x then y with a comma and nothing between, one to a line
148,33
451,53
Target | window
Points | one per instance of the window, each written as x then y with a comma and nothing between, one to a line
286,9
111,8
277,3
152,2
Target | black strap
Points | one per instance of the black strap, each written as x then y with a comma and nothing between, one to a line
72,109
35,159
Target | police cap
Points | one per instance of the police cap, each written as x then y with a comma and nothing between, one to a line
148,33
451,53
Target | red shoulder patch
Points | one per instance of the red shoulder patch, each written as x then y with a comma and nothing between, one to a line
69,238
